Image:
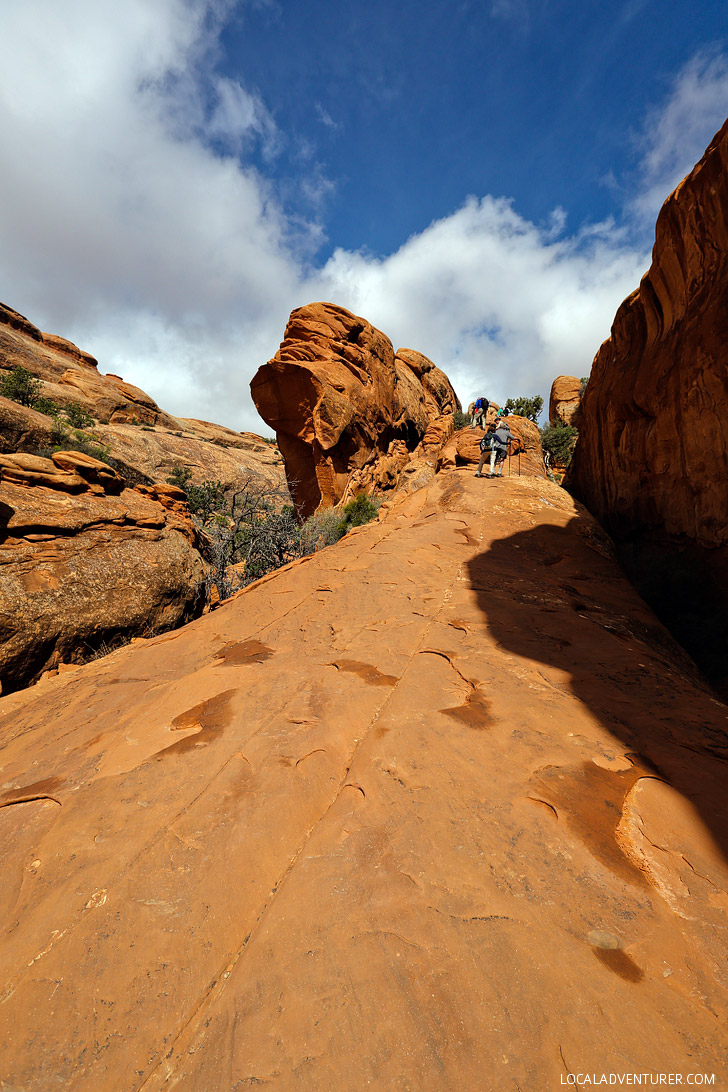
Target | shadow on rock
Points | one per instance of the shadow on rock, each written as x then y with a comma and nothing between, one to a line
555,595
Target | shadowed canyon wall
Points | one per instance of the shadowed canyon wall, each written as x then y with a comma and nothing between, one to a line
652,458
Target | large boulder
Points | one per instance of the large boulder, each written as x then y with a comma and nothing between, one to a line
87,562
565,401
652,456
404,815
346,409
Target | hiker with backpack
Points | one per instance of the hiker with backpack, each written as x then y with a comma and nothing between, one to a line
480,408
495,444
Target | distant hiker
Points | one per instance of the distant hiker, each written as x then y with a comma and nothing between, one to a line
495,443
479,410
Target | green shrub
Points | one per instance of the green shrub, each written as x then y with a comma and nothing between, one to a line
46,406
525,407
461,420
206,500
77,415
64,440
362,509
558,441
21,386
584,381
320,530
180,476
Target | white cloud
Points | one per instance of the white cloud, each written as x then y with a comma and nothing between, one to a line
124,227
676,135
498,303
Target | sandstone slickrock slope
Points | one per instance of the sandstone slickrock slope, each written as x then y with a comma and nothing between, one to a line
652,457
145,442
348,412
84,561
441,807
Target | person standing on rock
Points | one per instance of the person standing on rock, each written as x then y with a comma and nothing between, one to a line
496,444
480,408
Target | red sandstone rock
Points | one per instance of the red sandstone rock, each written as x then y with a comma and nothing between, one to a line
463,449
85,561
653,442
565,401
145,442
347,412
404,815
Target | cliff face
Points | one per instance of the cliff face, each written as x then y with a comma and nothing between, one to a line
348,412
144,441
375,823
652,458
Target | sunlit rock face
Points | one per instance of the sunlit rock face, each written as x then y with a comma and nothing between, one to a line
652,458
565,401
348,412
86,561
440,807
144,441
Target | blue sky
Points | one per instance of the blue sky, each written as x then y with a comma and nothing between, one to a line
406,108
478,179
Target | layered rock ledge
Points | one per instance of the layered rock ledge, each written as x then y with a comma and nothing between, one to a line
86,561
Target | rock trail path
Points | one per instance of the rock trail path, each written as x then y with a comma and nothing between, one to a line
438,808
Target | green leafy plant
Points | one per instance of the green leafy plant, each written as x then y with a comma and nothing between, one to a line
362,509
460,419
525,407
180,476
78,416
46,406
558,442
582,386
320,530
21,386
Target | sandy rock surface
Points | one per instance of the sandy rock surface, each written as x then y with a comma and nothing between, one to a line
348,412
85,561
441,807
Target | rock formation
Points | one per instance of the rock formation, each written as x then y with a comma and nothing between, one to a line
348,412
86,561
652,457
441,807
144,441
565,401
463,449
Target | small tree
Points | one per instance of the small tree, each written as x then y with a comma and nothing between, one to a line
460,419
525,407
21,386
357,512
77,415
559,442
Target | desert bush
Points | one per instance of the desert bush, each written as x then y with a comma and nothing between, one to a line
362,509
46,406
320,530
460,419
525,407
21,386
78,416
558,441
